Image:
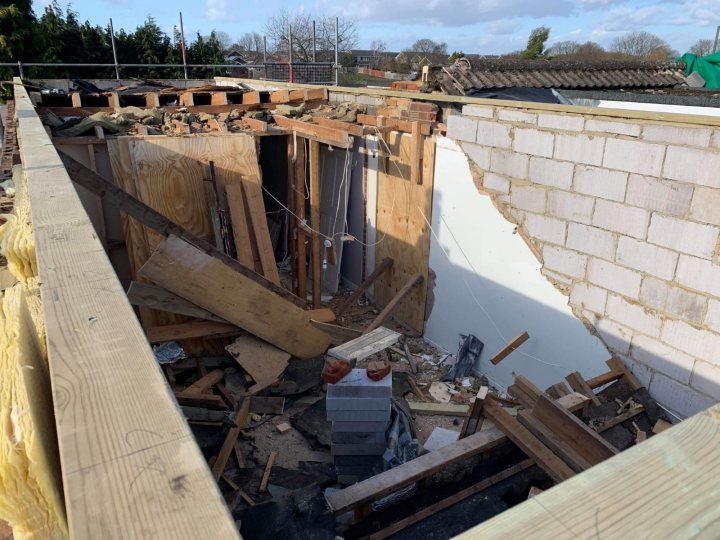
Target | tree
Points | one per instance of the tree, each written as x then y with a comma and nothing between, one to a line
250,42
276,29
455,55
17,22
642,45
428,46
206,50
378,47
702,47
224,39
536,43
579,52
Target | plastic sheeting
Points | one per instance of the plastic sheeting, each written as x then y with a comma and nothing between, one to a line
707,66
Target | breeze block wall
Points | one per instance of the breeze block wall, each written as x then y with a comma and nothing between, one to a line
624,214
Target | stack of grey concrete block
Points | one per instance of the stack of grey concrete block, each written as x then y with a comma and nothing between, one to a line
359,409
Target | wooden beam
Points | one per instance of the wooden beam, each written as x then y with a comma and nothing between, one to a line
573,402
445,409
385,265
577,383
394,124
421,467
528,443
208,401
353,129
255,124
266,474
573,431
149,217
567,452
605,378
239,222
619,419
471,421
314,163
413,282
152,296
452,500
323,134
366,345
229,444
416,154
338,334
205,382
208,282
618,365
114,416
510,347
299,192
191,330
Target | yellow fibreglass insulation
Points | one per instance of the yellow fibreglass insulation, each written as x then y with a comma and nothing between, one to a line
30,486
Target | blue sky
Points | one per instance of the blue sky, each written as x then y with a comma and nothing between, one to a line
473,26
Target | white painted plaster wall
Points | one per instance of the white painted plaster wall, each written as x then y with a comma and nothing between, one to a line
504,276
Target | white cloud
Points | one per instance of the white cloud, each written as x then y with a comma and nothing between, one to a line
503,27
450,12
625,19
216,10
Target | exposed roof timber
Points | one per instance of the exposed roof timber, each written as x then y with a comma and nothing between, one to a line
338,91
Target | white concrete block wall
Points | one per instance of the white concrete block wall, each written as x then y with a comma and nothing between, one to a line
625,214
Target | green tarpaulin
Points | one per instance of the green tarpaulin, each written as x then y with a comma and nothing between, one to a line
707,66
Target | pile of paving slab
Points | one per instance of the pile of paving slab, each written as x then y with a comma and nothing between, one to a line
359,409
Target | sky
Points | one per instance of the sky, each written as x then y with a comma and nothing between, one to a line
471,26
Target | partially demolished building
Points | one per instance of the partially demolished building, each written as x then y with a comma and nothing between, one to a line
185,264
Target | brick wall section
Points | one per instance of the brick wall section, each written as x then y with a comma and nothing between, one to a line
626,216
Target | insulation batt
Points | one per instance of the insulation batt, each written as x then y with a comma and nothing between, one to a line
30,486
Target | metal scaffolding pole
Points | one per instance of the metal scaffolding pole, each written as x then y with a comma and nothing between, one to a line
182,46
314,48
715,44
290,70
337,66
264,49
112,41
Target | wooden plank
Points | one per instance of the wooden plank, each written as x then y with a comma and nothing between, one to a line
190,330
259,359
209,401
76,99
619,419
323,134
187,99
618,365
385,264
605,378
519,394
574,401
452,500
299,196
205,382
238,219
250,98
189,272
321,315
573,431
352,129
416,154
444,409
152,100
470,424
529,388
314,165
279,96
365,345
528,443
260,233
577,383
338,334
266,474
394,123
152,296
561,389
509,348
402,233
549,438
152,219
121,436
421,467
255,124
229,443
403,293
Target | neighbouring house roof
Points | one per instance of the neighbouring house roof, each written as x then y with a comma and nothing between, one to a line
465,76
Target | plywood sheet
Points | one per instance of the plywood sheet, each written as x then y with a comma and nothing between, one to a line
402,233
194,275
260,359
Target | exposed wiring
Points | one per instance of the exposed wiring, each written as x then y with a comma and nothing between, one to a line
470,289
